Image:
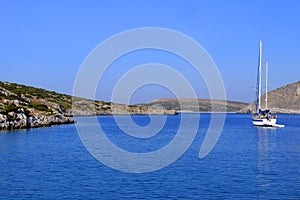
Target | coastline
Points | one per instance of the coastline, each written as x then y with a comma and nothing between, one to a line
47,121
23,121
23,107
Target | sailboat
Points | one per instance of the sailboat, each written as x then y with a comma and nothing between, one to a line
263,117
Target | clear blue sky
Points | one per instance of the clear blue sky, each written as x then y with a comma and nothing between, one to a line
43,43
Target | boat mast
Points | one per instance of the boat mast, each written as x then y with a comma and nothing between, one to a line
267,66
259,74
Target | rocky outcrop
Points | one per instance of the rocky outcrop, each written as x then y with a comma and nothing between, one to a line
28,107
19,120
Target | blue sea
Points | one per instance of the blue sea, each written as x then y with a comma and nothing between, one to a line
246,163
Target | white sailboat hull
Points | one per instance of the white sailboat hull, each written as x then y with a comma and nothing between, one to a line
264,122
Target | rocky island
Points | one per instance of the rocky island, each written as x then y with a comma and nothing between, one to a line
29,107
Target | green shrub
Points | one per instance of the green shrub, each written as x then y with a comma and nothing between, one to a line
10,108
64,105
40,107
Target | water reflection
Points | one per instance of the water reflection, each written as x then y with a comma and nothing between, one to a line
265,146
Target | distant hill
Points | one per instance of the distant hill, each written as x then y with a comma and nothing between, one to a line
198,105
285,99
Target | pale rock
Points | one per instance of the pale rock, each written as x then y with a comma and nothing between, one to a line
21,110
21,116
16,102
3,118
12,114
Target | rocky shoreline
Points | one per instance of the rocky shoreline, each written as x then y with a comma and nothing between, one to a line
22,121
18,115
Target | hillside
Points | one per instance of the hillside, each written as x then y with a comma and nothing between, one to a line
28,107
198,105
285,99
